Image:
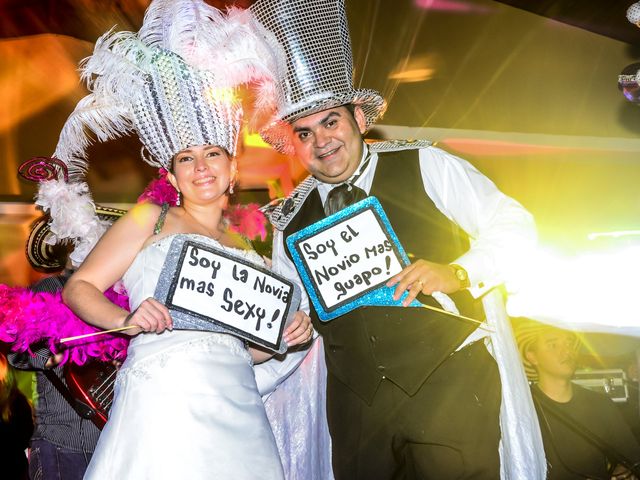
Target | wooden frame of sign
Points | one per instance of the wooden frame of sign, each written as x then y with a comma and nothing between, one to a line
208,288
345,259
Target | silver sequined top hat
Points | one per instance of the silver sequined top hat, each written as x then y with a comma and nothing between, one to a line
318,72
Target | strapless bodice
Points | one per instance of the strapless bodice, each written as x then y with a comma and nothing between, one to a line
140,282
142,276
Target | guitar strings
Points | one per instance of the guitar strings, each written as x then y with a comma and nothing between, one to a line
104,391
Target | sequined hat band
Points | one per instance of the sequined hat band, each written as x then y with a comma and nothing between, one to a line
181,107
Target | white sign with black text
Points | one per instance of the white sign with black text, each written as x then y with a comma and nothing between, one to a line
208,288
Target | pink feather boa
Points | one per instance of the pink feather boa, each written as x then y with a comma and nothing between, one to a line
27,318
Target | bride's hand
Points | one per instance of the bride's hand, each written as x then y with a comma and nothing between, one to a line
300,331
150,316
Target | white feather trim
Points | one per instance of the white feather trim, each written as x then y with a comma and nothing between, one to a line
73,216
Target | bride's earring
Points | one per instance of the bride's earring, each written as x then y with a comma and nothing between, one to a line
232,181
178,199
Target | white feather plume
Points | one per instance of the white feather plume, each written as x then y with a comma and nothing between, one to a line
180,26
105,118
228,45
233,47
117,66
114,75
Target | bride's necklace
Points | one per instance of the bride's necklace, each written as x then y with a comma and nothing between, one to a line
209,232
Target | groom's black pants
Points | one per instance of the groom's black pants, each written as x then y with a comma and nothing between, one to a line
448,430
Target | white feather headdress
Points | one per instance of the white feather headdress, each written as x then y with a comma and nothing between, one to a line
172,83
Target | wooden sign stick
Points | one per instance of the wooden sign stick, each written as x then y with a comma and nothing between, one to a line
457,315
429,307
86,335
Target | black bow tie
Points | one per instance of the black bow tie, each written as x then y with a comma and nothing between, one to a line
342,196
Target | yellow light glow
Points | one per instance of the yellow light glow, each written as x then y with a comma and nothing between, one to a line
414,75
593,292
254,140
618,234
415,68
275,188
223,94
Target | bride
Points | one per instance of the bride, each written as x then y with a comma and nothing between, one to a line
186,403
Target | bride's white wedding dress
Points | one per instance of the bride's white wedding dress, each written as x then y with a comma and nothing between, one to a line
186,403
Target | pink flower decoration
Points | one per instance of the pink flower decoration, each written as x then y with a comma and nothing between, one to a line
160,191
247,220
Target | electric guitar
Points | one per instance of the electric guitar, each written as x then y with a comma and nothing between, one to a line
92,388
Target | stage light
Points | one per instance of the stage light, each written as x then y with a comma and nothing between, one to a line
594,291
629,82
617,234
633,14
451,6
629,79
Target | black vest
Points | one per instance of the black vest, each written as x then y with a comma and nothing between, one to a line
404,345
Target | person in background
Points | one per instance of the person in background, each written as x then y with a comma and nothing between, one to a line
584,433
63,441
16,425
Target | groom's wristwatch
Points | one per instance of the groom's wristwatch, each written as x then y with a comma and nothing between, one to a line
461,275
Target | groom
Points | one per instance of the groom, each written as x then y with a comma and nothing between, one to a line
411,393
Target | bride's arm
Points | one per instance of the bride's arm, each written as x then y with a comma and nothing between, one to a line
298,332
105,265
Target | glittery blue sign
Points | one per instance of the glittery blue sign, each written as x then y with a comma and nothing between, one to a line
345,260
